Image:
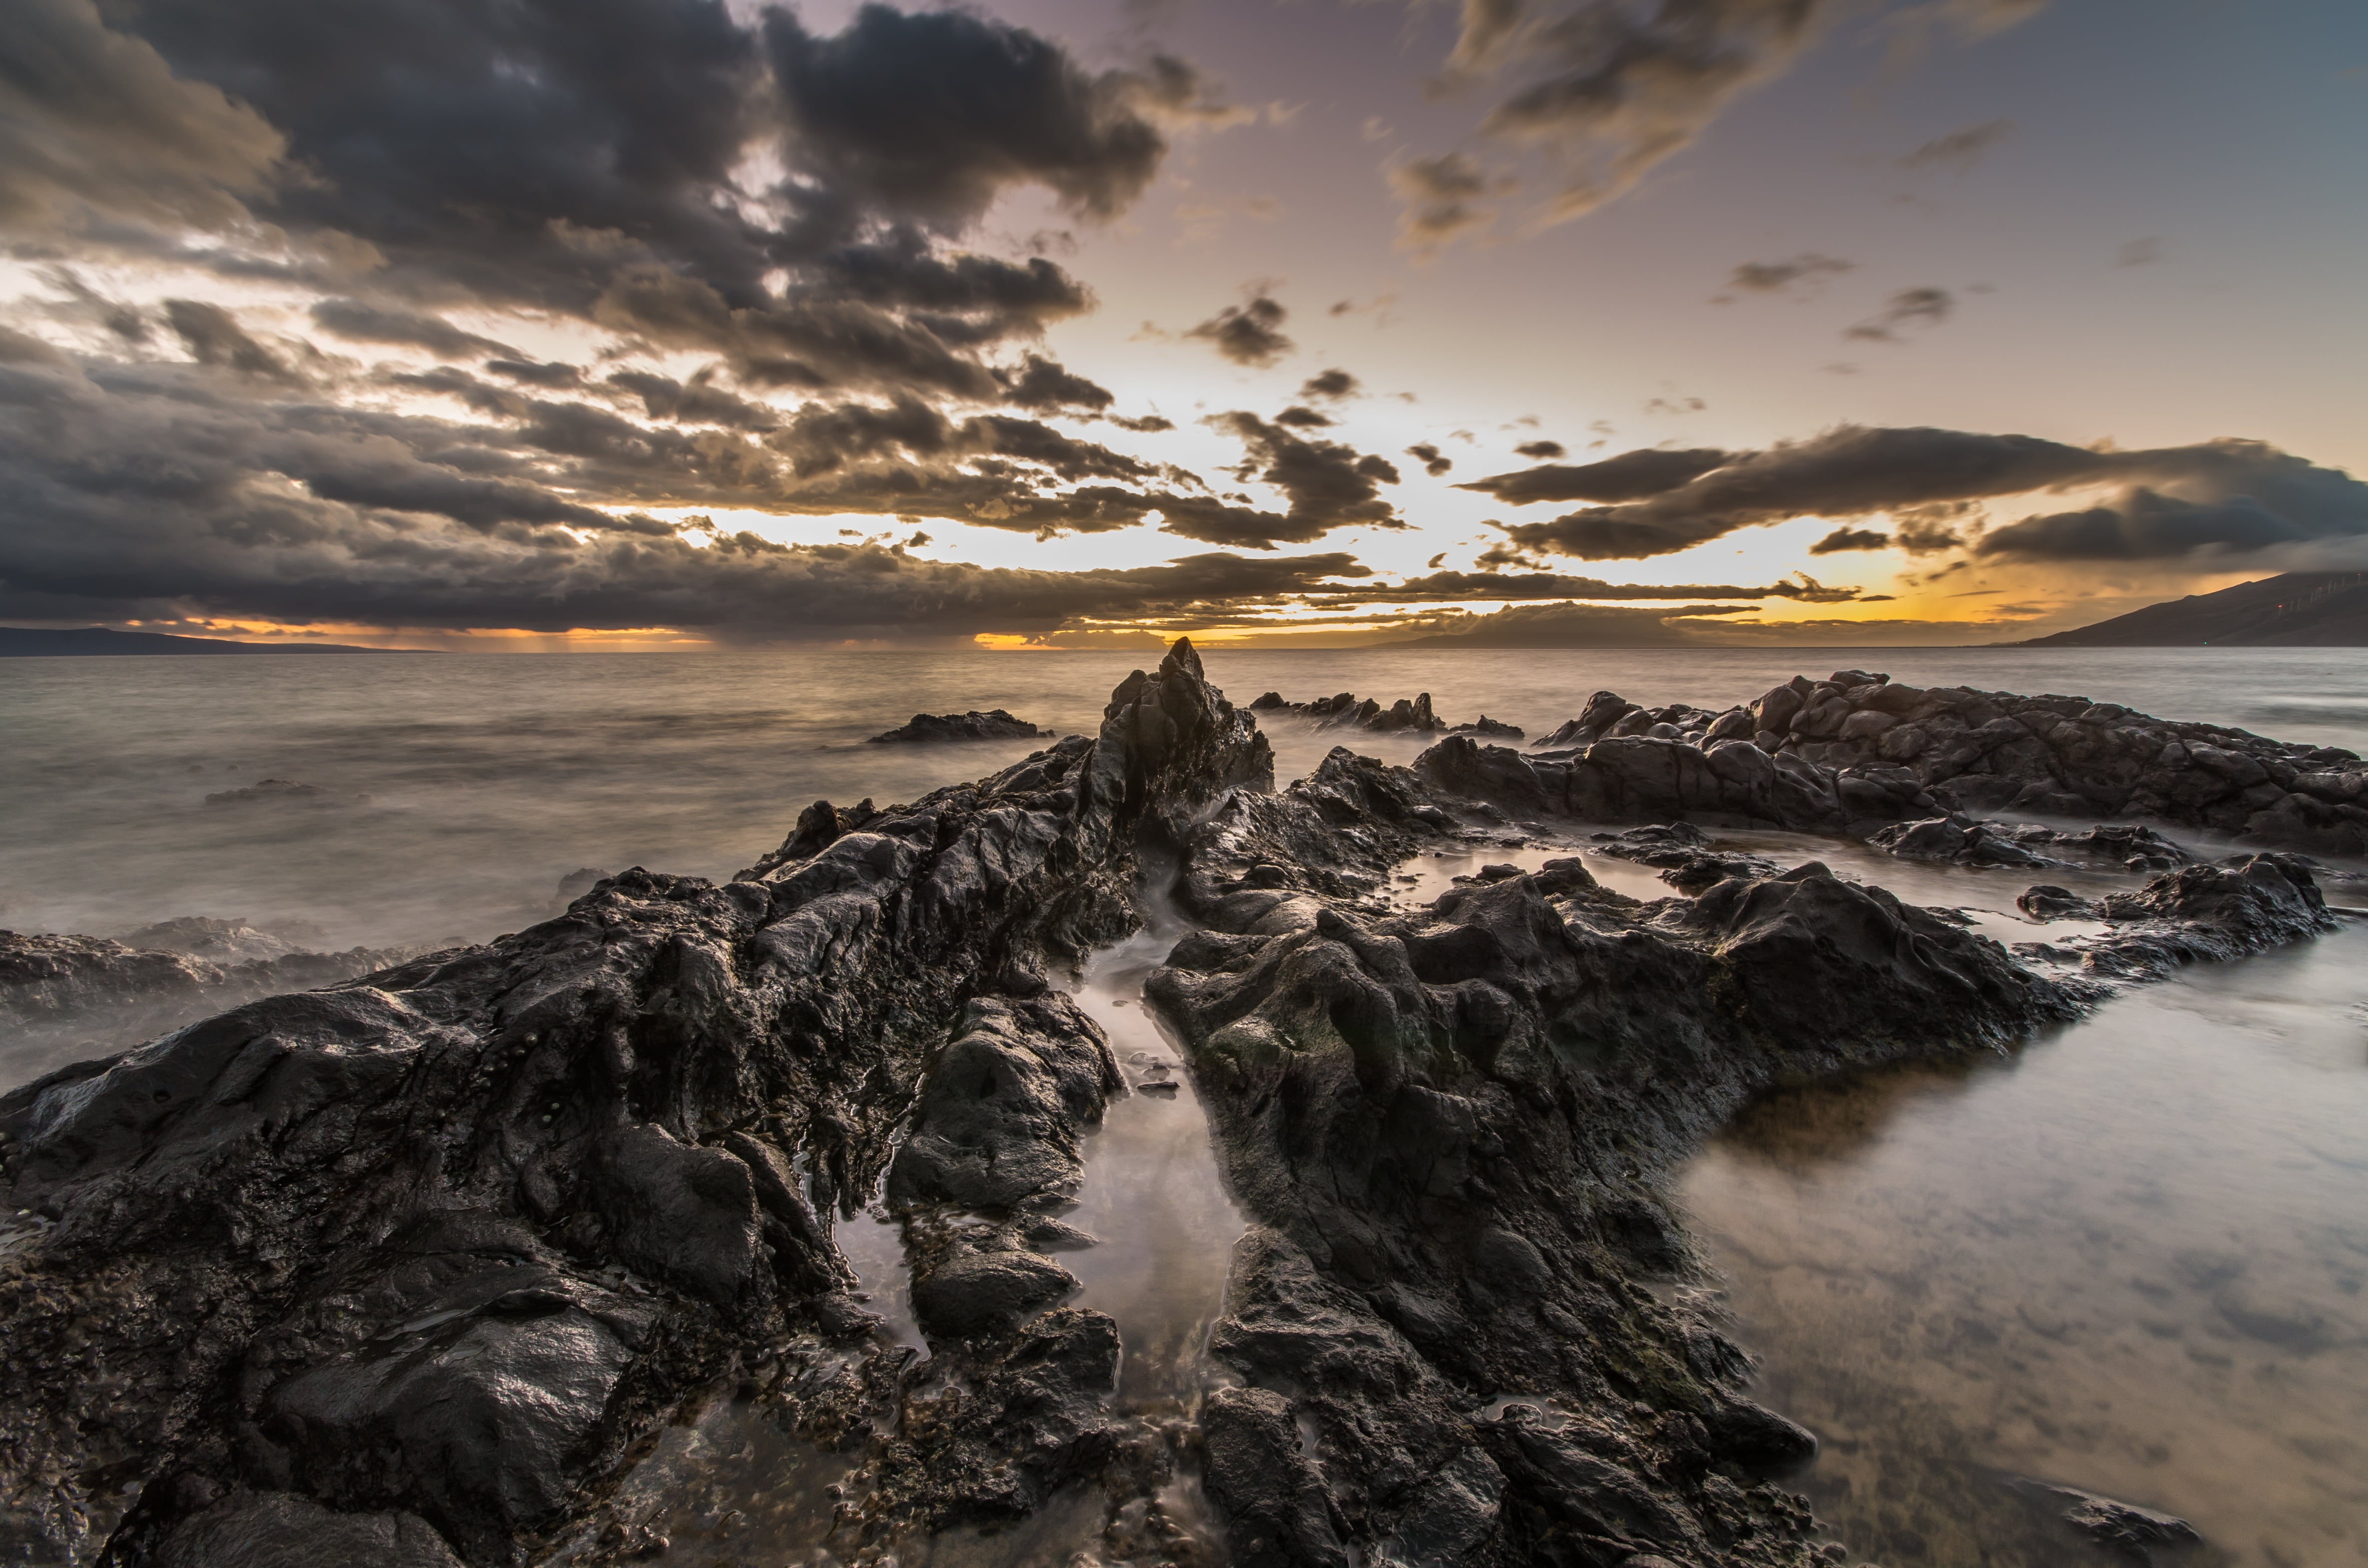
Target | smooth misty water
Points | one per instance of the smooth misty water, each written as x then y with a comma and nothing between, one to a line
2129,1258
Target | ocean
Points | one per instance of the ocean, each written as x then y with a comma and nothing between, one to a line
2129,1259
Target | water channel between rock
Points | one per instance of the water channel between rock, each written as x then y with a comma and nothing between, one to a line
735,1486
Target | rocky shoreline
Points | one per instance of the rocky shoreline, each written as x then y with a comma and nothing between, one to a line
415,1268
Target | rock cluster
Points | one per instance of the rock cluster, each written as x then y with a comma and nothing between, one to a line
1347,712
1980,751
411,1268
991,725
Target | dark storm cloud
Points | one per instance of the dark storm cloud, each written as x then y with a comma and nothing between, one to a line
693,402
1327,483
1559,585
1041,383
370,323
1434,462
2229,495
1334,384
553,374
144,489
97,125
1541,451
1248,333
1847,538
1628,477
594,158
213,337
935,113
1299,418
1909,308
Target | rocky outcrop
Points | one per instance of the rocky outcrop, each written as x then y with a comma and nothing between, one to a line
1684,854
1447,1125
1348,711
991,725
283,793
443,1243
2202,913
2063,755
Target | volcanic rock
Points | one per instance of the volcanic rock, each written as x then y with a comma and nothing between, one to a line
924,728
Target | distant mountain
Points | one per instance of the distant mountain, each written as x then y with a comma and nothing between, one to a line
33,641
2299,609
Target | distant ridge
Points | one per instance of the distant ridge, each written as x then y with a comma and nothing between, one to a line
33,641
2297,609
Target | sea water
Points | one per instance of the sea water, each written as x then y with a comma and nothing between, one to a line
2128,1258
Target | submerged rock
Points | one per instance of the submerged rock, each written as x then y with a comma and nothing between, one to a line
991,725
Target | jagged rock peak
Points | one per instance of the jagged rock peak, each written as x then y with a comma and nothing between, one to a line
1170,744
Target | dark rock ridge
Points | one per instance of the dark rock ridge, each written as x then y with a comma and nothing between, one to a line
993,725
413,1269
1857,736
1684,854
2202,913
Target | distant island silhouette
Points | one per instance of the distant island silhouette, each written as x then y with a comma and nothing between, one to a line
35,642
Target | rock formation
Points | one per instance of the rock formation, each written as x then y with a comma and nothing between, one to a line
413,1269
1978,751
993,725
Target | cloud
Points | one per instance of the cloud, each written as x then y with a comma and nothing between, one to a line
1919,309
1301,419
1327,483
1439,584
553,374
1848,538
1433,463
693,402
1573,626
1334,384
2225,495
1630,476
1442,200
1959,150
1541,450
788,201
99,127
2138,252
1041,383
1776,276
138,490
371,324
1248,333
213,337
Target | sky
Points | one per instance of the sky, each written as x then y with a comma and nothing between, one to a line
686,323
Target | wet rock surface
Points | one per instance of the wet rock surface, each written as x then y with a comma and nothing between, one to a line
419,1267
995,725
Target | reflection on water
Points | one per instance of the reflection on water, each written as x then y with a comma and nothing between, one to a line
1152,1199
2130,1261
